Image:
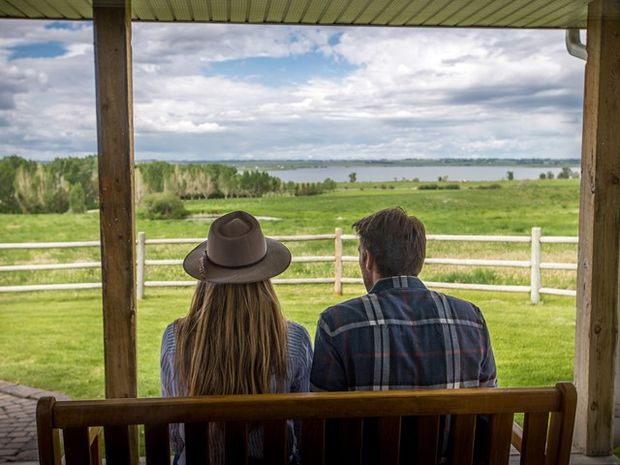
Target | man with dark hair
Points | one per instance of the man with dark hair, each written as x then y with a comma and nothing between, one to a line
400,335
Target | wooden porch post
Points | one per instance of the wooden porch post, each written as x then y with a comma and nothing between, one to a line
112,30
599,232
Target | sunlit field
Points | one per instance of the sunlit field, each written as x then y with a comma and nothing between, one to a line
54,340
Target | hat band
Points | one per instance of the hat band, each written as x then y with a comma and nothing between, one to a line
231,267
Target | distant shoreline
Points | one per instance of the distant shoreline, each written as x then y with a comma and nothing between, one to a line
276,165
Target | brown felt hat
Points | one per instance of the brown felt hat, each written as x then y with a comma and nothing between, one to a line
236,251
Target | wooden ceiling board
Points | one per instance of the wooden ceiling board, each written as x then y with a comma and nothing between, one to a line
163,10
567,14
535,15
444,13
397,9
479,15
296,11
182,10
8,10
239,11
142,10
314,10
277,11
333,11
354,10
568,17
258,10
405,16
220,10
454,12
25,8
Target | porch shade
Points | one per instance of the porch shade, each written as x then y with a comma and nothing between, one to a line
538,14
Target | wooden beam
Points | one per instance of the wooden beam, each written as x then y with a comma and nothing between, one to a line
599,230
112,27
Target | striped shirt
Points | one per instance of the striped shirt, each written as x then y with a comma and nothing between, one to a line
401,335
298,380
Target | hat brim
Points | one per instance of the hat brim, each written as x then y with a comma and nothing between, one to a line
276,260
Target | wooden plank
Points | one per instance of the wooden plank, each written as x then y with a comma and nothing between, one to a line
500,432
307,405
389,440
312,445
427,436
344,441
534,439
77,450
463,433
561,427
48,446
157,443
112,34
275,442
197,443
236,443
599,229
117,445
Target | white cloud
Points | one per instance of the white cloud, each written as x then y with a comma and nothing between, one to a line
405,93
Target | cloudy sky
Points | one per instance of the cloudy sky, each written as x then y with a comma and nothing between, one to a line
208,91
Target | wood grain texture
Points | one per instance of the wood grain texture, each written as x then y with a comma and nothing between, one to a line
338,428
47,443
157,444
599,229
534,439
77,450
112,31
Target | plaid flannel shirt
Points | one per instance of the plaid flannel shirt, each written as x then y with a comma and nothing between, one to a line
401,335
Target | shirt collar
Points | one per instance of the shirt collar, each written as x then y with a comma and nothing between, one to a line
396,282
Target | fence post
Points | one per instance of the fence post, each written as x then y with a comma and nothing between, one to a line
338,265
535,279
140,258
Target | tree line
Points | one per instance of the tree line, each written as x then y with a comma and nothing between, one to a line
70,184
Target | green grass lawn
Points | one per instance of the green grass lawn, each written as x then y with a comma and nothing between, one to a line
54,340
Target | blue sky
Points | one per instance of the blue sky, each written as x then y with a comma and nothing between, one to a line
205,92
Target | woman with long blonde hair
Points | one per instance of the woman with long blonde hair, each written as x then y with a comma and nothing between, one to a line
234,339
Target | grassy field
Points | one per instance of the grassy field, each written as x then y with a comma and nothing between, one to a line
54,340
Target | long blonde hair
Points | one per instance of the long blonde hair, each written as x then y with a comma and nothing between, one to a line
233,341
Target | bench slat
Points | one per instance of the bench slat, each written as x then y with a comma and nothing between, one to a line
561,427
534,438
77,449
275,442
389,440
312,446
426,439
236,443
463,436
344,441
117,447
500,433
197,443
157,444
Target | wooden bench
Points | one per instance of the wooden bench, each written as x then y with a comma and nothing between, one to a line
387,427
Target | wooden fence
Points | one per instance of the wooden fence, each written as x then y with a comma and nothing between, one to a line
534,264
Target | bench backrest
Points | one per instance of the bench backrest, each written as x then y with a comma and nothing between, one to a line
388,427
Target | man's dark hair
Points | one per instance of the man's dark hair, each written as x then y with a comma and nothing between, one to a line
397,241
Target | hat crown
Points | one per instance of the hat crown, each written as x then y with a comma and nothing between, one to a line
236,240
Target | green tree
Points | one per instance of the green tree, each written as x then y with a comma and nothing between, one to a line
77,199
163,206
352,177
510,175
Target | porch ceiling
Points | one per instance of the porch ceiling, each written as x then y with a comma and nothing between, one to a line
449,13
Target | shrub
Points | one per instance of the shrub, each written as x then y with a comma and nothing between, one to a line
166,206
428,187
489,186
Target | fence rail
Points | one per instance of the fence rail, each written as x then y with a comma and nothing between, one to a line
534,264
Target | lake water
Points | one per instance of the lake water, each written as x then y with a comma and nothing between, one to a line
423,173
